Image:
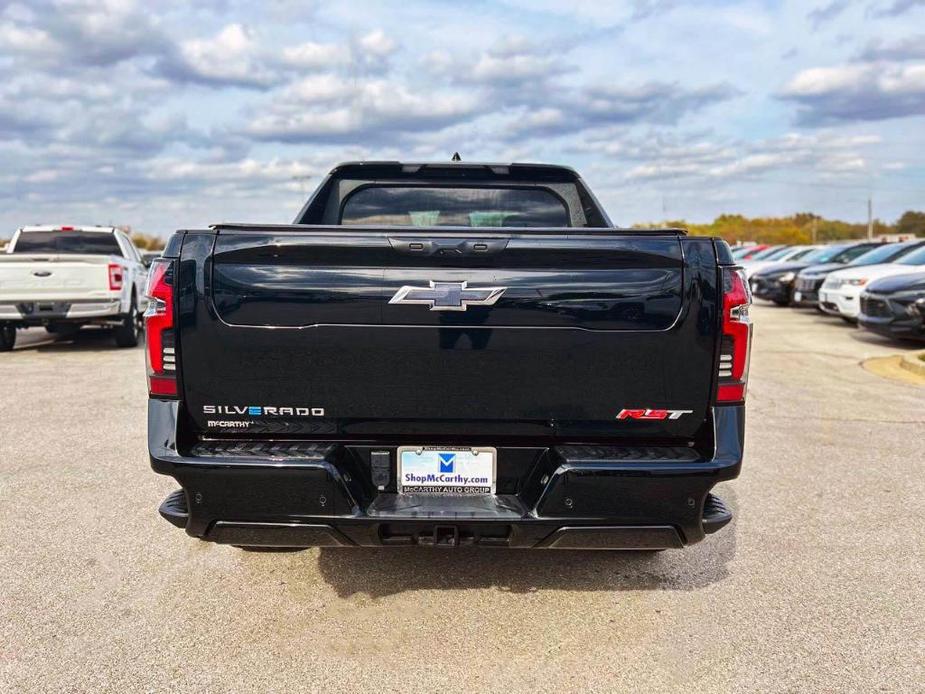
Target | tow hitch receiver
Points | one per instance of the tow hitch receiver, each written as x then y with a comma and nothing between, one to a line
446,536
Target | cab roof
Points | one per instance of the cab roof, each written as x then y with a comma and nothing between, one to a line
461,169
67,227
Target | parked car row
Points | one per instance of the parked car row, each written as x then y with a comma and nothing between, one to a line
881,286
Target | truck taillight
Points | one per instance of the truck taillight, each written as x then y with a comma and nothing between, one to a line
115,276
159,330
736,339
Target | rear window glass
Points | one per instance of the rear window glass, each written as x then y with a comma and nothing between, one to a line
851,253
67,242
824,255
817,255
780,252
454,206
886,253
914,258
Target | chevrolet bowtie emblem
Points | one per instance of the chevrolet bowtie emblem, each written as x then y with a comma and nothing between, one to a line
448,296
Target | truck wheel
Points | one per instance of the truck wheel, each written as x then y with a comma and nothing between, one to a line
7,337
126,335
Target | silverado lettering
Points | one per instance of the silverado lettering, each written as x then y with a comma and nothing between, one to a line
264,410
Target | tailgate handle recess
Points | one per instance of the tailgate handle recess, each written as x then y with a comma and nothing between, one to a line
448,246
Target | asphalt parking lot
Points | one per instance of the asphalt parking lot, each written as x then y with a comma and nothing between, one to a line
818,585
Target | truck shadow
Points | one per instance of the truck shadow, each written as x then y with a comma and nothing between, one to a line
383,572
91,340
869,338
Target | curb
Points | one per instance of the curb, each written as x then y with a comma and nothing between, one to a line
911,362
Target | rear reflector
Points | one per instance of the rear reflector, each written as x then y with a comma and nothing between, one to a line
162,386
736,341
160,346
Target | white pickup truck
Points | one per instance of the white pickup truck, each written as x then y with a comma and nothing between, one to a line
65,277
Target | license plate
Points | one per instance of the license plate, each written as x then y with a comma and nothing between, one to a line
798,296
440,470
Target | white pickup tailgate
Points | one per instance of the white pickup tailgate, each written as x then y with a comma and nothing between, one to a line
67,276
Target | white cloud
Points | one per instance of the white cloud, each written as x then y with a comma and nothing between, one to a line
312,55
378,43
326,105
231,57
75,33
908,48
243,172
825,155
511,61
512,67
858,92
28,40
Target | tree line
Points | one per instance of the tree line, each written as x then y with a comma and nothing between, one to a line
804,227
147,242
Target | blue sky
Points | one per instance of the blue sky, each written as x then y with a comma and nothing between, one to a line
166,114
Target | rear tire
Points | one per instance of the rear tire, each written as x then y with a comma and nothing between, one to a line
126,335
7,337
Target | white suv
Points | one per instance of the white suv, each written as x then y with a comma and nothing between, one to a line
840,294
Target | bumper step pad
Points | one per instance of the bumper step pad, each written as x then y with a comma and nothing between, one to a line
715,514
174,509
261,451
651,537
502,507
578,455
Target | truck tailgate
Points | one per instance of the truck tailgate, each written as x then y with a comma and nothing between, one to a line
27,277
291,331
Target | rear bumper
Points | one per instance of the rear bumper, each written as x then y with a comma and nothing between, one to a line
305,494
899,326
806,292
41,312
807,299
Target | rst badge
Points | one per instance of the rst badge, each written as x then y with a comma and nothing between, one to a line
650,414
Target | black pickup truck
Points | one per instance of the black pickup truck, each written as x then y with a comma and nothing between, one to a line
444,355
